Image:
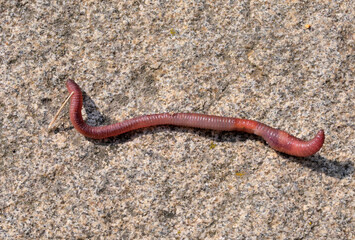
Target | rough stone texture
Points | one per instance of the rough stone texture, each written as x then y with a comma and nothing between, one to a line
248,59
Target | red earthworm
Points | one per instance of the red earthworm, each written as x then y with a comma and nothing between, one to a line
277,139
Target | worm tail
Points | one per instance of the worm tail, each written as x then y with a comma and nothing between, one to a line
286,143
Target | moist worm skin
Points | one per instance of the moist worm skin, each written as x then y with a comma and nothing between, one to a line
277,139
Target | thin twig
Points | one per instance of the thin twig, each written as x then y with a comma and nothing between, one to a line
60,109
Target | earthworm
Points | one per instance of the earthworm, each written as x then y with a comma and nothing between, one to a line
277,139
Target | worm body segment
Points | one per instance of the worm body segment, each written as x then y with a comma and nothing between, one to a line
277,139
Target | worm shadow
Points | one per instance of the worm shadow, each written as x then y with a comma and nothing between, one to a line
323,165
94,117
316,163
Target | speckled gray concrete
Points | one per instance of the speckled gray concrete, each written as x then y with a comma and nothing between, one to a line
246,59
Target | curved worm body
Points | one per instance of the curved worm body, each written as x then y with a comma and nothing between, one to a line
277,139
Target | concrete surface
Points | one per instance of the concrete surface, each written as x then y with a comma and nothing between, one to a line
249,59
